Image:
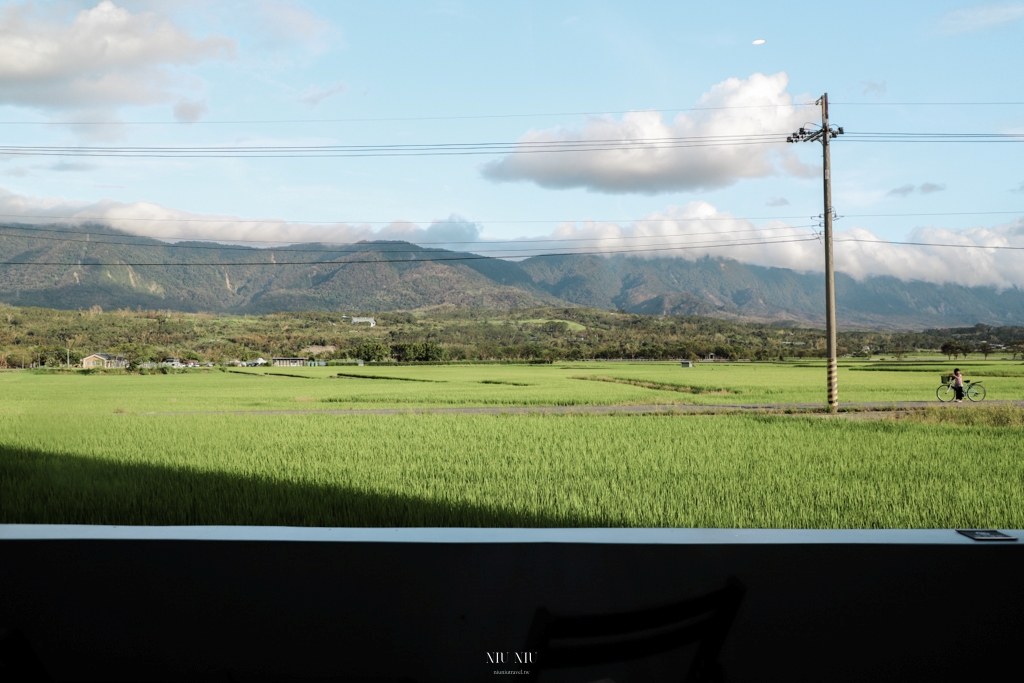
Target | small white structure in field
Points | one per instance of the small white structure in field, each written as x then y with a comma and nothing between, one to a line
288,362
373,323
687,363
104,360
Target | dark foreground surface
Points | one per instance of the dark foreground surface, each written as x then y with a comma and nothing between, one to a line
272,603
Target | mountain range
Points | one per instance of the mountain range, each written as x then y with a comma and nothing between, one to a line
81,267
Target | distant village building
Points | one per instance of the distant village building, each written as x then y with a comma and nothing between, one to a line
687,363
373,323
104,360
256,363
290,362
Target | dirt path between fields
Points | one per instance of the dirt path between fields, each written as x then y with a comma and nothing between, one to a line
852,410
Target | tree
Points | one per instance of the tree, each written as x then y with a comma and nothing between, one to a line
985,348
950,349
372,350
69,340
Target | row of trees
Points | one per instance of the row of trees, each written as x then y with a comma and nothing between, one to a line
54,337
954,349
377,351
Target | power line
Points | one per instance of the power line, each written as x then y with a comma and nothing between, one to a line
398,118
351,222
491,116
516,243
482,148
937,137
640,250
926,104
110,219
930,244
423,260
439,149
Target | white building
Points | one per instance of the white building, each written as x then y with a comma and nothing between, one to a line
373,323
104,360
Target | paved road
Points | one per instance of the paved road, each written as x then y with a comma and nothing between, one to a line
607,410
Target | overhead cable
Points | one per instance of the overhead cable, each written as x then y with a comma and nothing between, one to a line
483,243
648,219
465,117
421,260
482,148
639,250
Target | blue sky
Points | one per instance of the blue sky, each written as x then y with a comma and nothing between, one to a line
411,66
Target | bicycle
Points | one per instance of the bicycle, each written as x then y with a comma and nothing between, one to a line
974,391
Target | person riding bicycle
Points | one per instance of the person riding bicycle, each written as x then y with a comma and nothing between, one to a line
958,385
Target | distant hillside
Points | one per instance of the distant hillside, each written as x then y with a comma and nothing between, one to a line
362,277
387,276
727,288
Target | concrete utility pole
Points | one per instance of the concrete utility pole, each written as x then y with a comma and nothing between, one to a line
823,135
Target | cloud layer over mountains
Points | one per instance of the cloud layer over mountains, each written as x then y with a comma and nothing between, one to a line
691,231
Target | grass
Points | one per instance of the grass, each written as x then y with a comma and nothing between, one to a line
978,416
80,449
511,470
479,385
660,386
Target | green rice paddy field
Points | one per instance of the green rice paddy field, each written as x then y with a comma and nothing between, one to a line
194,448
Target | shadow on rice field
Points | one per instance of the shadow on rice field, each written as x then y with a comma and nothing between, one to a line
57,488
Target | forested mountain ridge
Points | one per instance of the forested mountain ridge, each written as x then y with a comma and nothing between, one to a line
368,276
388,276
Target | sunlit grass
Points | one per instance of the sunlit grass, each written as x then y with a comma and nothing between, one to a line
374,386
510,470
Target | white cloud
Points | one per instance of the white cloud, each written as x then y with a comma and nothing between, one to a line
699,225
453,232
105,56
980,17
901,191
315,94
777,201
283,24
190,111
93,124
873,88
153,220
908,189
73,166
760,104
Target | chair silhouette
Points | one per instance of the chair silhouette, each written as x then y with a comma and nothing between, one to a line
563,641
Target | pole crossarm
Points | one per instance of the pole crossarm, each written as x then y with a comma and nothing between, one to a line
817,134
823,134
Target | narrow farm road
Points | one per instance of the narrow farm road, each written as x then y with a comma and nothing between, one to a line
614,409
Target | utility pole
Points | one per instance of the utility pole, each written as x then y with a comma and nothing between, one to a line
823,135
